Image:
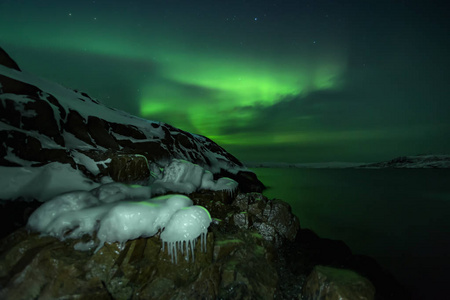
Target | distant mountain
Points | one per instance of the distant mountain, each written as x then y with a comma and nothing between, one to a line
410,162
324,165
413,162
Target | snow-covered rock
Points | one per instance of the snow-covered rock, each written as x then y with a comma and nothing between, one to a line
43,123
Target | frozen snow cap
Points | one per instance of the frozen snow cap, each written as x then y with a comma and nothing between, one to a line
105,212
186,225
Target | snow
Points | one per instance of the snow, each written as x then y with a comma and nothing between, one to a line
185,177
86,161
72,142
41,183
117,212
11,157
112,211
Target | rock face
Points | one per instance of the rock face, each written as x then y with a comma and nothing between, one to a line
141,270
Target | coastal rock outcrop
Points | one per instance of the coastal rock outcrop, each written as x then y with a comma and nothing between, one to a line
240,262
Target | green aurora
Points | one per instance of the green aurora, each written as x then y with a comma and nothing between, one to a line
293,82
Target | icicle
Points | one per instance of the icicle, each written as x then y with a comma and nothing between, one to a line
175,250
189,222
203,237
171,248
192,248
201,241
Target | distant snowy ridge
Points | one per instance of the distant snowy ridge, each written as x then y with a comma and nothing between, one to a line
324,165
413,162
402,162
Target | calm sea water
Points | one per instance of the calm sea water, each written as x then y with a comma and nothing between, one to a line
401,217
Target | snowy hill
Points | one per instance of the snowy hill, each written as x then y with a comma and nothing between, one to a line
49,133
413,162
324,165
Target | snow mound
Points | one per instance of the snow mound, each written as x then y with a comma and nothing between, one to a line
116,212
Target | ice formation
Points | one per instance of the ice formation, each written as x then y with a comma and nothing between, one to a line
185,227
116,212
182,176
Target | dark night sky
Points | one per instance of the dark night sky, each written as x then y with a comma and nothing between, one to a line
294,81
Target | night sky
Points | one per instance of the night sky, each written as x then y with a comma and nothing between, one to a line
292,81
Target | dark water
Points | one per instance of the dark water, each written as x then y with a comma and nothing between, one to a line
401,217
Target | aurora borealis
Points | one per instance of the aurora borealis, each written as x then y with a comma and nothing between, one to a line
294,81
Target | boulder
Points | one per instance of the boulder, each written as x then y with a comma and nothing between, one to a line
272,219
129,168
337,284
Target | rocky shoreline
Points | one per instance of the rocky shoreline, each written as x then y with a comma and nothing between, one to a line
255,250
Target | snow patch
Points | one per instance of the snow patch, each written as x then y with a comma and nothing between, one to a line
41,183
182,176
89,163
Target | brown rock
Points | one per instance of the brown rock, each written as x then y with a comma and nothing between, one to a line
129,168
272,218
337,284
34,266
